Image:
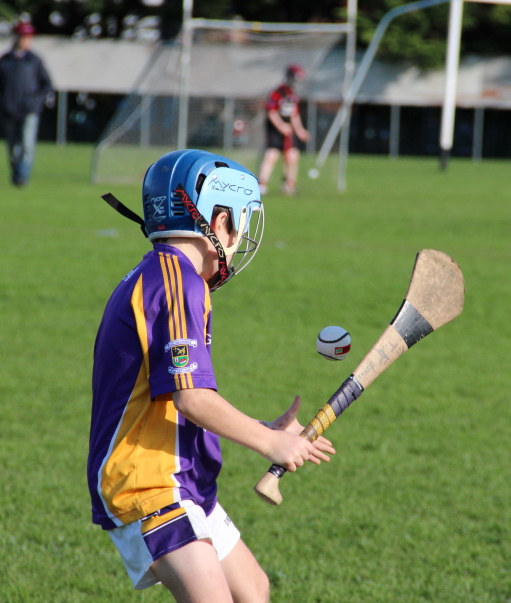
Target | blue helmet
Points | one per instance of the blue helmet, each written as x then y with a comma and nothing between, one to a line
208,180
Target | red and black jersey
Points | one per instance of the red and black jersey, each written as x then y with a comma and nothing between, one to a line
284,101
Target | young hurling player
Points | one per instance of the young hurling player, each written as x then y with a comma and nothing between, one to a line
284,130
156,416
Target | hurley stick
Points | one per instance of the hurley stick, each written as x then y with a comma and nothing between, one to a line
434,297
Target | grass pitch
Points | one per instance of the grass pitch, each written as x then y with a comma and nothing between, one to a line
415,505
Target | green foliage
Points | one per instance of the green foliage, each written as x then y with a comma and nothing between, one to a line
6,11
501,14
415,505
418,38
486,31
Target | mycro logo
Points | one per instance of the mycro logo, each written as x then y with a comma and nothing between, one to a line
218,185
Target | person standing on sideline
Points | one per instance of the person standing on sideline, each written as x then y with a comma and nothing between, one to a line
156,419
284,131
24,84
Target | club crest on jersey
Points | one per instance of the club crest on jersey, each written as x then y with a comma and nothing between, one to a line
180,355
179,343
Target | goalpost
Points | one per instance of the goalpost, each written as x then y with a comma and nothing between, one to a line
451,76
342,119
208,88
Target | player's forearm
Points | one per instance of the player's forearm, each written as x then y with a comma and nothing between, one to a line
278,122
296,122
209,410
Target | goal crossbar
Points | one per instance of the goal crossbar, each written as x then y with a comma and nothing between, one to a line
218,72
190,23
257,26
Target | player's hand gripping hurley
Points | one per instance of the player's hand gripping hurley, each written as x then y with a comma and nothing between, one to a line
434,297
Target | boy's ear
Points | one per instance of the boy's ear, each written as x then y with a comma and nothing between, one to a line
220,221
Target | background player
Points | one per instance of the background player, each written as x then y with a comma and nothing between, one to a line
156,415
24,85
284,130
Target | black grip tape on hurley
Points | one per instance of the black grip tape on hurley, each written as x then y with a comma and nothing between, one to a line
349,391
411,324
277,470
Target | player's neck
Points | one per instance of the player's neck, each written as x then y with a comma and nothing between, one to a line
200,253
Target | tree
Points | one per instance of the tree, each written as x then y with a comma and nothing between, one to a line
418,38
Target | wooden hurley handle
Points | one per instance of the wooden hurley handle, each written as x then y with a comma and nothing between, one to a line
435,297
268,486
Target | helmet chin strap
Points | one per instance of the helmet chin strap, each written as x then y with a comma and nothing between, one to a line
225,272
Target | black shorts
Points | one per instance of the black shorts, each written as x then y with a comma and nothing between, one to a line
275,140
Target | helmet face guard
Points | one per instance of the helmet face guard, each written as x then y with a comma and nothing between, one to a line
247,241
180,193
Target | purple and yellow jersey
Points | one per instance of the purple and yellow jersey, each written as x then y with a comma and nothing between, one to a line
154,339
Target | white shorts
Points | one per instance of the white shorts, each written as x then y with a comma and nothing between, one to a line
145,540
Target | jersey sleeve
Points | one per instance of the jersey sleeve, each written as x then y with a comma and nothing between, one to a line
173,318
272,104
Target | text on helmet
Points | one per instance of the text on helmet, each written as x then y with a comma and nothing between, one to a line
217,185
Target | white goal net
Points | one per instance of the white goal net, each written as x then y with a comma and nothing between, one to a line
210,93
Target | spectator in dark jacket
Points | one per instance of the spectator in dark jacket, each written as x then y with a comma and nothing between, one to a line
24,84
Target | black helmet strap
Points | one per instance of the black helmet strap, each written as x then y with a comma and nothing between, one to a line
125,211
224,272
